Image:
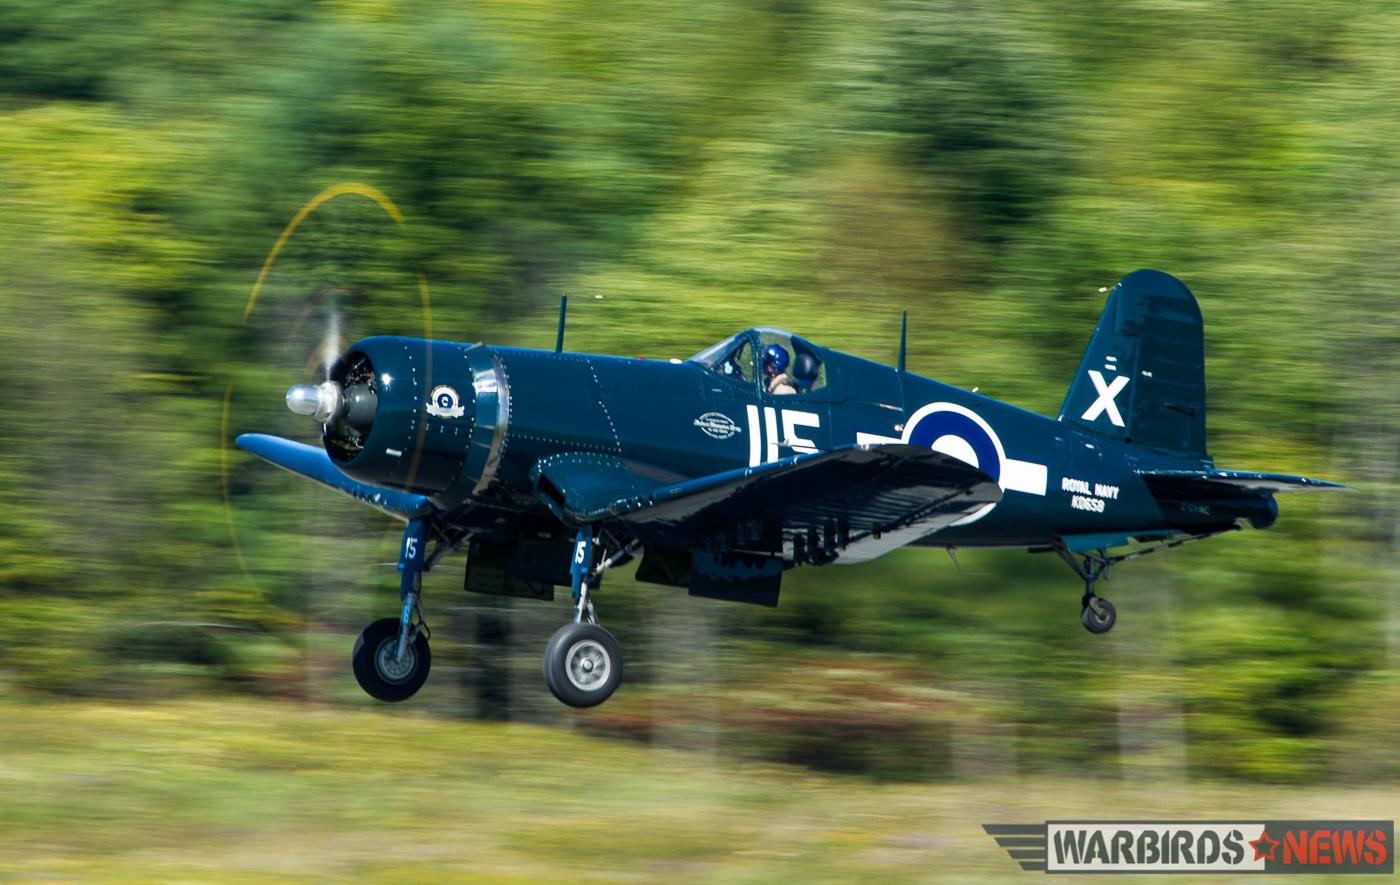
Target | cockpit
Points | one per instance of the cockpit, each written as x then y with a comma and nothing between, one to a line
774,361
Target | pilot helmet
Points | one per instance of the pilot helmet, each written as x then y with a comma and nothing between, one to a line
775,357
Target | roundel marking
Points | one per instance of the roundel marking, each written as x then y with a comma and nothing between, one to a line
929,430
958,431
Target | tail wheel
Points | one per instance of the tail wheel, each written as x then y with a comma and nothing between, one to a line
380,671
1098,616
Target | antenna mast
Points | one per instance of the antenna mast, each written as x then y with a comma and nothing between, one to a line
903,329
559,338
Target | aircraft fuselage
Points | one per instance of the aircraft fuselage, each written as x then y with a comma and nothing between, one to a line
677,420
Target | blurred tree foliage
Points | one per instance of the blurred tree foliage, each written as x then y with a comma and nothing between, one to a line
816,164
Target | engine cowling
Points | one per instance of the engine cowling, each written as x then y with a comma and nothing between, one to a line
411,413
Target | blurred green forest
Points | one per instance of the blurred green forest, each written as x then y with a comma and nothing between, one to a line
684,171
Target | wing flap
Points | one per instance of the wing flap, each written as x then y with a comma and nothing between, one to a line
852,496
312,462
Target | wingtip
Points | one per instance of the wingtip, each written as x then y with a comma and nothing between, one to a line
252,442
1325,485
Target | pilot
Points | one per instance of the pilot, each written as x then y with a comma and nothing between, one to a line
775,363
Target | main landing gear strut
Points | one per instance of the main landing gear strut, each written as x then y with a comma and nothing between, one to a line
1098,615
391,657
582,661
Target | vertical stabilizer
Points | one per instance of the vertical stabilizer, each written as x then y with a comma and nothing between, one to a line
1142,379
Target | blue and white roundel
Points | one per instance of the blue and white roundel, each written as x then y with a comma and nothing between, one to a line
958,432
963,434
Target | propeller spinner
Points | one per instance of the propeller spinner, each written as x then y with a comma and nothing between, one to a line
320,401
329,402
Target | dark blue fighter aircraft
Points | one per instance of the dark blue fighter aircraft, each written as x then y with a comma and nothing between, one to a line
759,454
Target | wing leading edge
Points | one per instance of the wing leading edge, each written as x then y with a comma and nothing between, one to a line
313,463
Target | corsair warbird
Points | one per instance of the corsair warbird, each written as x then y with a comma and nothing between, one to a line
759,454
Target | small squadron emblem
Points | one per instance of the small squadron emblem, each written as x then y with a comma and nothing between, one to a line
716,425
444,403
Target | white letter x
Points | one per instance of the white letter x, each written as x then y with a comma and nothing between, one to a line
1105,401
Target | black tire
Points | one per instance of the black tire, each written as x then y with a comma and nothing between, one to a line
582,665
1099,615
549,656
372,661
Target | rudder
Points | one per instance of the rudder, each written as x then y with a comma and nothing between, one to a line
1142,378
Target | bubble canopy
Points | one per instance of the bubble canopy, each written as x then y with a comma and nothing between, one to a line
740,356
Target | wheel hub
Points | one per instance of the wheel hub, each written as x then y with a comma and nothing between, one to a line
392,669
587,665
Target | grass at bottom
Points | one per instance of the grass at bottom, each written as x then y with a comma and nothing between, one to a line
243,791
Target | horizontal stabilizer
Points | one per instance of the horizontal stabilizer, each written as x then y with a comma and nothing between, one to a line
313,463
1208,482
